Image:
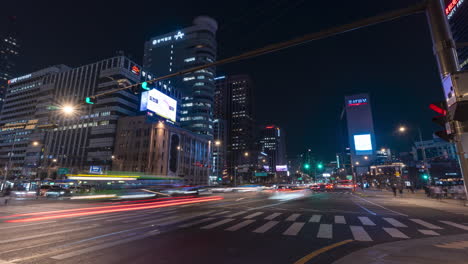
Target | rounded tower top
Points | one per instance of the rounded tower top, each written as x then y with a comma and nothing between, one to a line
206,21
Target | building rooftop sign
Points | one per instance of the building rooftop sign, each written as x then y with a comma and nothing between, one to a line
21,78
177,36
452,7
357,102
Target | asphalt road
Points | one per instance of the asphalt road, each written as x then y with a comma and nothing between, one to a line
264,227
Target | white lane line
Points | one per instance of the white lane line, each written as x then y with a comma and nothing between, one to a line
395,232
359,233
196,222
222,222
380,206
13,226
325,231
266,227
293,217
428,232
339,219
236,214
366,221
103,246
272,216
152,217
394,222
253,215
294,229
426,224
221,213
315,218
239,225
3,241
455,225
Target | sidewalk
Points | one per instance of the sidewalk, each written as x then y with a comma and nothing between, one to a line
420,199
433,250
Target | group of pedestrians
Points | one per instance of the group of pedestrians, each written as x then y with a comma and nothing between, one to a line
439,192
399,187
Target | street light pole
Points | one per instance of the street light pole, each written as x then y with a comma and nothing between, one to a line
446,55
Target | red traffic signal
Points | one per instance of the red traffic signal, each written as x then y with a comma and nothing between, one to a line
438,108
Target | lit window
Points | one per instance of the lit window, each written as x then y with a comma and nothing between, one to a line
189,59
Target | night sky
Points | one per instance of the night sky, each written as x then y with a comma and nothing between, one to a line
300,89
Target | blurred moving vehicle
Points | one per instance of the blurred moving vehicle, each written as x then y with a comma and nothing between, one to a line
55,191
344,185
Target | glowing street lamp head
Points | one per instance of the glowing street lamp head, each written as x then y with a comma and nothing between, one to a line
35,143
68,109
246,154
402,129
217,143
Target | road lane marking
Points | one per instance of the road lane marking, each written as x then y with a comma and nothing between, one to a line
380,206
221,213
395,232
426,224
155,221
253,215
103,246
239,225
266,227
294,229
272,216
455,225
197,222
315,218
183,218
236,214
359,233
13,226
394,222
428,232
367,210
293,217
3,241
325,231
339,219
366,221
222,222
100,216
317,252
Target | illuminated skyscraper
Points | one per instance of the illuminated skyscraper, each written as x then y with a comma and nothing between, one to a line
9,51
457,14
183,49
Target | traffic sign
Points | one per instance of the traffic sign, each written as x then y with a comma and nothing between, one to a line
62,171
95,169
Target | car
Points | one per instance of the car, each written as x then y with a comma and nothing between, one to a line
56,192
344,185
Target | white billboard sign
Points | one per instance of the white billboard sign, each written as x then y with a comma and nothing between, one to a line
159,103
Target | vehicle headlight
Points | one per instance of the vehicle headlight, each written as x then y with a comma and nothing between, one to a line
62,192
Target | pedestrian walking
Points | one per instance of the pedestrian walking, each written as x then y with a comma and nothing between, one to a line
400,189
438,192
394,190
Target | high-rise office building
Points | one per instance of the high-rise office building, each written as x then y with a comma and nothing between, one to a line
184,49
234,103
361,136
273,143
457,14
9,51
77,141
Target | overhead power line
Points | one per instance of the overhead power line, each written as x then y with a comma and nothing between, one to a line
389,16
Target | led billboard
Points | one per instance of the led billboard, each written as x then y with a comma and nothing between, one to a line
363,144
159,103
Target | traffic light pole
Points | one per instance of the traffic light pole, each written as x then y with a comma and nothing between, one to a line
446,55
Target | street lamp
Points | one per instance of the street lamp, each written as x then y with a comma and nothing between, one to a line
218,143
402,129
357,163
54,160
246,154
366,158
68,109
35,143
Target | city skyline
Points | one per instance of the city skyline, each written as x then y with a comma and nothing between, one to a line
269,93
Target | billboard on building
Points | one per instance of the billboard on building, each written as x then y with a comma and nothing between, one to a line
159,103
363,144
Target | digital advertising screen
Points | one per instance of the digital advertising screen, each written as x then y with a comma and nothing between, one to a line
363,144
159,103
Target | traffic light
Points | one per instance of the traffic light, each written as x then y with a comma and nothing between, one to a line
144,86
441,120
320,166
91,100
307,166
425,176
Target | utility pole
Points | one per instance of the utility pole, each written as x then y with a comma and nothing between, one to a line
446,55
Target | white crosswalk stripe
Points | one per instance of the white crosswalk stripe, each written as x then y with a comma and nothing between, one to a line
395,232
455,225
272,216
266,227
197,222
394,222
253,215
426,224
366,221
325,231
339,219
221,213
360,234
294,229
236,214
222,222
293,217
428,232
315,218
240,225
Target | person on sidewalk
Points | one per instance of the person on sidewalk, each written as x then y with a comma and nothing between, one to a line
400,189
394,188
438,192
